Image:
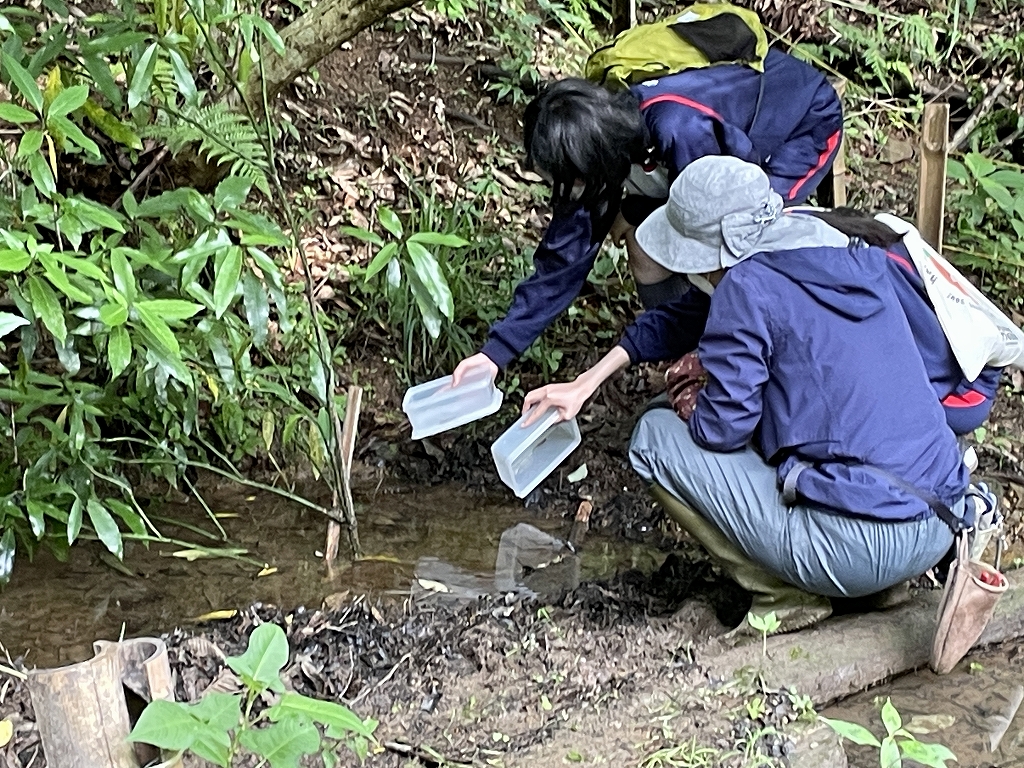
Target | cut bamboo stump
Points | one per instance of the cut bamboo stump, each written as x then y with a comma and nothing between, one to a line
931,191
349,432
851,653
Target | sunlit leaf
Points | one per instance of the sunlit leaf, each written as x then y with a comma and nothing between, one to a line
227,271
891,717
68,100
124,276
105,528
171,310
429,273
7,549
9,322
858,734
31,142
160,330
74,133
327,713
389,220
264,658
113,315
437,238
119,351
142,78
113,128
231,192
183,77
381,260
165,724
221,710
257,307
22,80
12,113
889,754
284,742
47,307
75,520
128,515
932,755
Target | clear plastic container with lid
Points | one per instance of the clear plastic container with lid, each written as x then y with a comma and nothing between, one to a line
525,456
437,406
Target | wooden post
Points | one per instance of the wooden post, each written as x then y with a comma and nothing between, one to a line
931,190
623,15
349,433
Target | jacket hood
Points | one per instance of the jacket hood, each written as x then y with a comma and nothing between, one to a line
843,276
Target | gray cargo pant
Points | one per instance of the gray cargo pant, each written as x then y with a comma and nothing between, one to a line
813,548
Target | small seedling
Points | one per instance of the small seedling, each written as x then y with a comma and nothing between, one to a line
766,625
898,744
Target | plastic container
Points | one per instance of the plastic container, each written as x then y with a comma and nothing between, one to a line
524,457
436,406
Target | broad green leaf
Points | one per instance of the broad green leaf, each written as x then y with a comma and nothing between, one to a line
231,193
99,69
14,261
30,143
105,528
42,175
142,78
36,516
227,271
83,267
260,666
113,315
257,307
270,34
111,126
220,710
858,734
12,113
212,745
171,310
394,276
381,260
889,754
437,238
363,234
22,80
74,133
1008,178
47,307
999,193
932,755
183,77
165,724
284,742
75,520
9,322
979,165
429,273
327,713
389,220
425,302
267,429
891,717
7,549
60,281
119,351
124,277
68,100
130,516
160,330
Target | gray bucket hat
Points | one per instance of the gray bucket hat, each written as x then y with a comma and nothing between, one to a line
717,211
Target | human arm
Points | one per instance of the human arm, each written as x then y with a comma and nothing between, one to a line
969,404
568,398
668,331
735,351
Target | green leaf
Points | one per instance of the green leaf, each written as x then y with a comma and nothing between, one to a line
111,126
75,520
436,238
260,666
269,33
363,234
138,91
999,193
124,277
100,72
9,322
42,175
429,273
14,261
68,101
891,718
257,307
979,165
22,80
47,307
231,193
183,77
36,516
160,330
105,528
165,724
858,734
171,310
227,270
327,713
12,113
425,302
30,143
889,754
223,711
389,220
130,516
284,742
113,315
932,755
7,549
74,133
119,351
58,277
384,255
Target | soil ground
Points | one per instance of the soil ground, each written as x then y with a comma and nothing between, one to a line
488,683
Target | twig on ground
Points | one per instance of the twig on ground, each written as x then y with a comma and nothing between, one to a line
143,175
13,672
383,680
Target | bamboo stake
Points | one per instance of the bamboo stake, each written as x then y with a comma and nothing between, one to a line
931,190
349,433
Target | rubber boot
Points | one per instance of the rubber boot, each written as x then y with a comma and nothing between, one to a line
794,608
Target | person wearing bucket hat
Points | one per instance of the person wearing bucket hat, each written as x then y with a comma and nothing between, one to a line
610,156
817,462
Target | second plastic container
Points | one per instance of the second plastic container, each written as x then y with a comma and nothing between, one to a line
524,457
436,406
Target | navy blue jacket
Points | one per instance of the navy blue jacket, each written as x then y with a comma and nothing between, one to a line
788,120
809,354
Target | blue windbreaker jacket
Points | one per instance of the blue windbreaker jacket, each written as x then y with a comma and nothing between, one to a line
810,354
788,120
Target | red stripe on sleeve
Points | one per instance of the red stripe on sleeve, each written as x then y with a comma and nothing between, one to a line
702,108
830,147
969,399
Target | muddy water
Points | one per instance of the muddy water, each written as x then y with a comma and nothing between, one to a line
965,710
51,611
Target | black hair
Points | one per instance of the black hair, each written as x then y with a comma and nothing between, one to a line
576,130
864,226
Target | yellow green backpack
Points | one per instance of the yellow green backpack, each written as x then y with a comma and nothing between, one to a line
699,36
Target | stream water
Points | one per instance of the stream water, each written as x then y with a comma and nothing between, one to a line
51,612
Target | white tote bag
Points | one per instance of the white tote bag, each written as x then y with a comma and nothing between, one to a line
977,331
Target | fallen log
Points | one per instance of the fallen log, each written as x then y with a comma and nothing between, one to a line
850,653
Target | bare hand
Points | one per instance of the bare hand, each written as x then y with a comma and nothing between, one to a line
474,363
566,398
620,227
